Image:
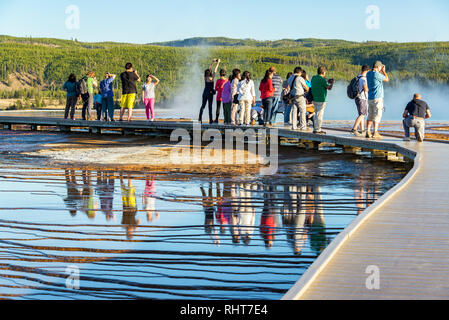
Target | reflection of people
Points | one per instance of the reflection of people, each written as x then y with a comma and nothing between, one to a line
129,207
295,219
360,197
247,214
268,219
223,215
105,187
73,192
89,205
208,207
149,200
318,237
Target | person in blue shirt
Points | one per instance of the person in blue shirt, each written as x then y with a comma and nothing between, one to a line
107,93
72,97
97,103
375,79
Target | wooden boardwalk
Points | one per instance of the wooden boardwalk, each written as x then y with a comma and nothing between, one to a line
404,235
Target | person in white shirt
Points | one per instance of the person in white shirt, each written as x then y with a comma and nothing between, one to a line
247,97
361,102
148,96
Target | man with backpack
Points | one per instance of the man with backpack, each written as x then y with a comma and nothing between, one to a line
358,90
86,90
298,88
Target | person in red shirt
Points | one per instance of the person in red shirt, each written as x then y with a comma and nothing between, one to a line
267,95
219,88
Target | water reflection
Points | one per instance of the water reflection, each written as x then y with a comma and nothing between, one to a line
294,211
105,190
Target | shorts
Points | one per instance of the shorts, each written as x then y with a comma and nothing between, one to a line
375,109
127,101
362,106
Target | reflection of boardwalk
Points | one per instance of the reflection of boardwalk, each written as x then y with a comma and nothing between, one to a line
406,237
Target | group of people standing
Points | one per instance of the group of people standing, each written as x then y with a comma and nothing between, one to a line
370,104
84,89
302,99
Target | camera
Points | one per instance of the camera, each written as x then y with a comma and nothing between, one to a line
331,80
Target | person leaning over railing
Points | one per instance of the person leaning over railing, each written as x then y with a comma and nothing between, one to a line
415,112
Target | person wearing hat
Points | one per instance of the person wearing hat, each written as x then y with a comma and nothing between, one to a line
375,79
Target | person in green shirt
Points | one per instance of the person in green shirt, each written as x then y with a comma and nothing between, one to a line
320,85
88,98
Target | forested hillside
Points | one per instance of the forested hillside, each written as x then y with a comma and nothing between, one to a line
31,67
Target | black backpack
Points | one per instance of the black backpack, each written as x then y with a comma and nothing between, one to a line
81,87
353,88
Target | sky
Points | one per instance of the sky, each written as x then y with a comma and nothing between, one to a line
149,21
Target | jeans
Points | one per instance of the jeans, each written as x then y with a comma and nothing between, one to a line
318,117
418,124
88,103
70,107
287,114
98,108
207,99
274,109
108,108
299,106
267,107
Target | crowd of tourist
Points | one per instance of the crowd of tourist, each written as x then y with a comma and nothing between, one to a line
303,101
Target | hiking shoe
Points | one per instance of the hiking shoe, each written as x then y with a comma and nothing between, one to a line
376,135
368,135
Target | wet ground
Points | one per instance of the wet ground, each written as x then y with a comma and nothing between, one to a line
143,233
